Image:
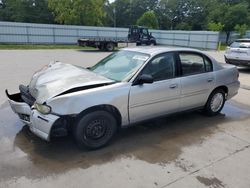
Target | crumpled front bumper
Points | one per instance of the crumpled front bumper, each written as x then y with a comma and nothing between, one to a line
38,123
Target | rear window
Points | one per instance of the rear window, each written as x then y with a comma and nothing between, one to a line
240,44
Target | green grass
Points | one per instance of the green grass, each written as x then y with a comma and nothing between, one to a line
223,47
38,47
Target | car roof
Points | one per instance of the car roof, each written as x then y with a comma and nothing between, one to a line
242,40
152,50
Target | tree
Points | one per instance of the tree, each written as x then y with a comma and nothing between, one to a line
168,14
129,11
183,14
35,11
78,12
149,20
183,26
229,15
212,26
241,29
123,12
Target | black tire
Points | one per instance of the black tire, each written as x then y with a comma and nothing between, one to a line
100,47
95,129
152,43
212,107
110,46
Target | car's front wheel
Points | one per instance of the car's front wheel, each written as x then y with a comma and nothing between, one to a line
95,129
215,102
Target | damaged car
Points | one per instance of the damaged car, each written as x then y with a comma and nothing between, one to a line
126,87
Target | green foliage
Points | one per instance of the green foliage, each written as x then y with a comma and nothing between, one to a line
129,11
25,11
212,26
183,26
149,20
229,14
179,14
241,29
214,15
78,12
123,13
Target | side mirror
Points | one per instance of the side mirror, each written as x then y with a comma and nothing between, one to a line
144,79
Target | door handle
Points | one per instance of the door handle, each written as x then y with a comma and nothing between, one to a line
173,86
210,79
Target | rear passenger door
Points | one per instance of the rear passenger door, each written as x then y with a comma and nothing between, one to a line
197,79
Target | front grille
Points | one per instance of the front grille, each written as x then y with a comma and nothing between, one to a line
24,117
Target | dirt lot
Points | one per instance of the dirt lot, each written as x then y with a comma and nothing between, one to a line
185,150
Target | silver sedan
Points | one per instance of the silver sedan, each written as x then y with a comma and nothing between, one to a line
127,87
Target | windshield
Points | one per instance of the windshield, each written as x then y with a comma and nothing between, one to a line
120,65
241,44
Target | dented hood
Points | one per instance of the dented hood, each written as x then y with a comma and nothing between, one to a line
57,78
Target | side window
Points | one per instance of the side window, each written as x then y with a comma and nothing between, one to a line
208,63
161,67
145,31
191,63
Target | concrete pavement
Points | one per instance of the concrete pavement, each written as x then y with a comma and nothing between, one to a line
184,150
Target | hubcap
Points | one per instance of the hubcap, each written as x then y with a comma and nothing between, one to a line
217,102
96,129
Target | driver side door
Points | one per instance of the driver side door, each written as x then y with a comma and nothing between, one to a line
160,97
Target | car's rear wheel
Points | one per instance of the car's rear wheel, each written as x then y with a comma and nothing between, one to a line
95,129
215,102
110,46
152,43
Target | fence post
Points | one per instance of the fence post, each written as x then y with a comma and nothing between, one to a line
189,34
173,39
54,37
219,46
27,34
206,43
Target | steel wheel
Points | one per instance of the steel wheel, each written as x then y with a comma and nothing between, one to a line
95,129
215,102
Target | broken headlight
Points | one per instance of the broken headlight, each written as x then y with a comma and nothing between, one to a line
42,108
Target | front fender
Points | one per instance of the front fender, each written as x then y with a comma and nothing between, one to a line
76,102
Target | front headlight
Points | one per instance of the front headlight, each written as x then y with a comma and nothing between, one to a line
44,109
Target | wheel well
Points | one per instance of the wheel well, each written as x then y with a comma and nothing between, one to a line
224,88
113,43
109,108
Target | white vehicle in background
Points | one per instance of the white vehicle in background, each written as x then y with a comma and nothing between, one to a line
238,53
